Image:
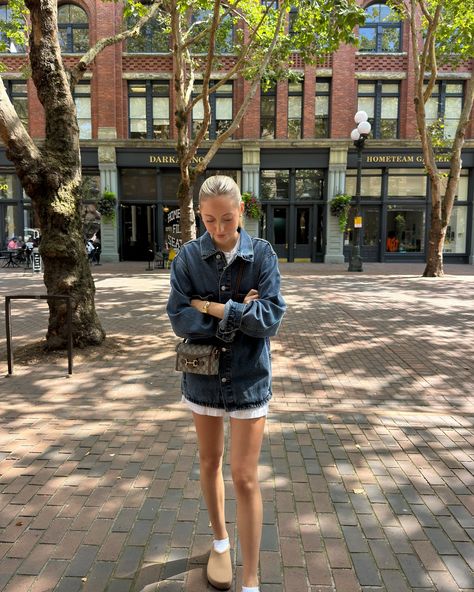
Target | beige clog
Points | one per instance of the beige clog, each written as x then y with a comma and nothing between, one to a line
219,569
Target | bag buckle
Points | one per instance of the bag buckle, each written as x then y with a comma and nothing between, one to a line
193,363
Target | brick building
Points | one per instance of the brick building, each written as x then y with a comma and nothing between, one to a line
293,148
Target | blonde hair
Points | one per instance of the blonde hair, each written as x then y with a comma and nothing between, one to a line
220,185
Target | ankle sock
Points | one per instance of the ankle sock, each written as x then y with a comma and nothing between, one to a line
222,545
251,589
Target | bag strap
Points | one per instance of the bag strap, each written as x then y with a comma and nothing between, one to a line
239,277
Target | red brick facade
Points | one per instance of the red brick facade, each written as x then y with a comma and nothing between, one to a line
113,67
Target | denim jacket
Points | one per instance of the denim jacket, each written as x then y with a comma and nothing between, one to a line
201,271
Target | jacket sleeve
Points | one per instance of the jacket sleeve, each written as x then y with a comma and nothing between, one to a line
186,321
262,317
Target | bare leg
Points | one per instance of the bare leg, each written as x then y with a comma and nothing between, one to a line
246,442
210,433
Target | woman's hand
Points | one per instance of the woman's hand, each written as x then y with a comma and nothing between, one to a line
252,295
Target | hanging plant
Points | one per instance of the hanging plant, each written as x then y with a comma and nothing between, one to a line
106,206
340,206
252,206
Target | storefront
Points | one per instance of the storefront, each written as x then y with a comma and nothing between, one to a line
396,206
17,217
149,215
293,194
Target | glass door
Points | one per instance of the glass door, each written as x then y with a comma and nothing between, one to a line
370,250
277,226
138,229
303,233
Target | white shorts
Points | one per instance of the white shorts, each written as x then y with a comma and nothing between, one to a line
252,413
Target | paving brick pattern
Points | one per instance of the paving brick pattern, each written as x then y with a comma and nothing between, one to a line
367,466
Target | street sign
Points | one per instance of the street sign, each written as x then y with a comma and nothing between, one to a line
36,260
358,222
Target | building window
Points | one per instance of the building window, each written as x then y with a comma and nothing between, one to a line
371,183
381,31
380,101
149,109
445,106
8,45
220,103
224,38
321,108
274,184
405,229
17,92
73,27
406,183
267,112
295,110
152,38
82,100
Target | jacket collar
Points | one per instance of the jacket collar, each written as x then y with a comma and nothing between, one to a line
245,250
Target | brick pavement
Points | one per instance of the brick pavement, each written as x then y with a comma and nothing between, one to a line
367,465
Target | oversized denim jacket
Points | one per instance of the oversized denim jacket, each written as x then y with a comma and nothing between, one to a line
201,271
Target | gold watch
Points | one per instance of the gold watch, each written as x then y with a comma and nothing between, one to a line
205,307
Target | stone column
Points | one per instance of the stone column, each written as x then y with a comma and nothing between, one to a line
471,254
336,184
251,180
109,182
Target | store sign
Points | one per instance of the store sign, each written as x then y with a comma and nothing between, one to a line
173,229
400,158
170,159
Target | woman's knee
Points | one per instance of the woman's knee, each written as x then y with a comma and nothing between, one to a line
245,481
210,463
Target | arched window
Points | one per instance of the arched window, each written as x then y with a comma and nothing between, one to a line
381,31
8,45
73,29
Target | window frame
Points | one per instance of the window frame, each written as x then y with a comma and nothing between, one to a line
378,95
9,83
70,28
440,94
149,115
379,30
213,98
300,94
270,92
76,94
325,80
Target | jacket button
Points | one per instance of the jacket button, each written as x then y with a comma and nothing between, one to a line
224,379
224,349
218,256
223,288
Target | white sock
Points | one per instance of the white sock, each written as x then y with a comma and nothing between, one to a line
250,589
222,545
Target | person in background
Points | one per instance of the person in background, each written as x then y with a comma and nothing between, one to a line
392,242
12,244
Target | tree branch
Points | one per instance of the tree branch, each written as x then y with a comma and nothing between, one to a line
20,148
78,70
202,165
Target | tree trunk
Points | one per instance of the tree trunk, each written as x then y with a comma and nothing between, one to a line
66,266
437,234
187,216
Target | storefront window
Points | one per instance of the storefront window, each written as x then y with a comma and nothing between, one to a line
456,233
7,222
309,184
138,185
370,186
405,230
6,186
274,184
406,183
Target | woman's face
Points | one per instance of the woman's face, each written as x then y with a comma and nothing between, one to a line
221,216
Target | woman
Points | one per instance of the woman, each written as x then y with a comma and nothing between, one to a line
225,290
